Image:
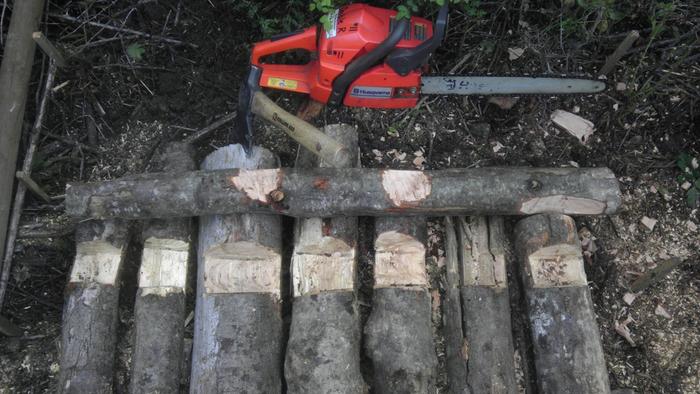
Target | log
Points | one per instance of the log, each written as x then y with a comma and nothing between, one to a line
326,192
455,341
565,338
90,312
486,305
323,352
15,72
238,324
398,333
159,310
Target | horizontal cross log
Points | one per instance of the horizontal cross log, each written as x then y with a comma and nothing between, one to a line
328,192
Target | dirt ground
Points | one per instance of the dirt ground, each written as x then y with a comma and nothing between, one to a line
125,94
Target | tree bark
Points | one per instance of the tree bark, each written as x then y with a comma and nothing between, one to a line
160,301
486,305
323,352
238,323
565,338
399,339
15,71
326,192
91,309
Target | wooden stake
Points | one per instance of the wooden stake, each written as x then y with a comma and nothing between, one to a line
16,69
323,352
565,337
327,192
486,305
13,226
159,312
238,322
90,313
398,334
456,344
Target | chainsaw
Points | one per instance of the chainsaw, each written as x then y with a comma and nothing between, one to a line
367,57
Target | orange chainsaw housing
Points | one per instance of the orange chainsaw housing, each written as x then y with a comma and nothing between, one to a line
356,30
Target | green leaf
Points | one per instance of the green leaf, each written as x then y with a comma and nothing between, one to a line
403,12
326,22
693,197
135,51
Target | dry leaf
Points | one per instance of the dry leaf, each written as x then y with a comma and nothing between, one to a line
629,298
419,161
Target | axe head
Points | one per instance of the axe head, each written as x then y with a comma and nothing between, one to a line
243,128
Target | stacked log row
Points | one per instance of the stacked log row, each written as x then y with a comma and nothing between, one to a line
323,352
486,305
159,311
90,312
238,324
398,333
565,338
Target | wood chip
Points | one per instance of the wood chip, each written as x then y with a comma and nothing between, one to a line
649,223
573,124
515,53
629,298
661,311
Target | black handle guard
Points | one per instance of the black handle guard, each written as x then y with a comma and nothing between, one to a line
403,61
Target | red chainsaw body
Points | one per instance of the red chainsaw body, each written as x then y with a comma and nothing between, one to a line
356,30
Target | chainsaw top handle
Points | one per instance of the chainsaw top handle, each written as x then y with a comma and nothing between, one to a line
361,64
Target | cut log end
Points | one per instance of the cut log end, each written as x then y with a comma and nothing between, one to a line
242,267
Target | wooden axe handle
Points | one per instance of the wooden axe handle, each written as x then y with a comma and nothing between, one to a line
303,132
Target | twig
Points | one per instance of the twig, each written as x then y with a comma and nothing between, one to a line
122,29
621,51
21,188
32,185
655,274
197,136
49,49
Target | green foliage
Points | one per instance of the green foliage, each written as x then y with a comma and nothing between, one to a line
135,51
690,172
658,19
274,18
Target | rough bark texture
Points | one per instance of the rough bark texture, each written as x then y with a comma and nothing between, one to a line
325,192
160,307
455,341
16,69
565,338
323,352
237,339
90,313
486,306
398,334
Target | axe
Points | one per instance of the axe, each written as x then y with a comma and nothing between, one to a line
252,101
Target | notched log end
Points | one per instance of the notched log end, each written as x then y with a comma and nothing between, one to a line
556,266
163,266
258,184
406,188
242,267
328,265
97,261
399,261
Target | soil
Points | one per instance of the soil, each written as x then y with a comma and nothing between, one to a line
111,111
